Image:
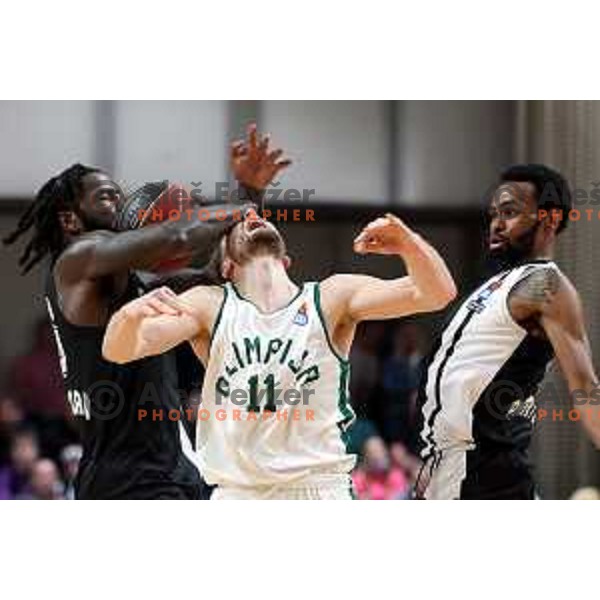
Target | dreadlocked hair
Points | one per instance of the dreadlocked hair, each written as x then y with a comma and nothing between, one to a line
58,194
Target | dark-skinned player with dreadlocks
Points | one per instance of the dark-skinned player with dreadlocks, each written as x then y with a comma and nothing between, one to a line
74,221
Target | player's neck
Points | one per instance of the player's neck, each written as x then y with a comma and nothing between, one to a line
543,249
544,253
265,282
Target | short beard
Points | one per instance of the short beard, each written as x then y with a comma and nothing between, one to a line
514,254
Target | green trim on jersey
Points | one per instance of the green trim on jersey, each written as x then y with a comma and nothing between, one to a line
218,319
317,295
344,407
351,489
296,296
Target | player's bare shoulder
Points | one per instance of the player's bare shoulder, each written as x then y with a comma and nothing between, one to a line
204,302
338,284
335,291
86,240
545,289
71,261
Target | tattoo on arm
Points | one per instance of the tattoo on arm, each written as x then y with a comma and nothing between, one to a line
538,288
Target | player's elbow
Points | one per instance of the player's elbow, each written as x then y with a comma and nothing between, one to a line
179,243
116,345
176,238
113,352
439,298
448,293
109,352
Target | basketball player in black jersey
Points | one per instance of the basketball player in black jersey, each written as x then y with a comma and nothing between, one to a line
91,275
477,393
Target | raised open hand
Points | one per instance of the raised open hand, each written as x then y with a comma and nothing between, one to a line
253,163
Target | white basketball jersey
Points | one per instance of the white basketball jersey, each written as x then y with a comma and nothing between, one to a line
482,349
275,396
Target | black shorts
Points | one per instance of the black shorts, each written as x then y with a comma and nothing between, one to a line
156,491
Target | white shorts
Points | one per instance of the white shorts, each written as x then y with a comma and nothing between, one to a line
323,487
443,478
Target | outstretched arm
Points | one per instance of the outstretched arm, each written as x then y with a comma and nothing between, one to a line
182,280
103,253
159,321
550,298
427,287
254,165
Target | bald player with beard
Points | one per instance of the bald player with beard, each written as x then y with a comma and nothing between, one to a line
275,404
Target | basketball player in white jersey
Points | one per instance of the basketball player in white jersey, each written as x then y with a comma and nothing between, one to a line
275,397
477,393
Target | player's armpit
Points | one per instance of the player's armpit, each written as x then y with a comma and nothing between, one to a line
102,253
561,317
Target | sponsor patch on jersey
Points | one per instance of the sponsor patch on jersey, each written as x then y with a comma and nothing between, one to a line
525,409
478,304
301,317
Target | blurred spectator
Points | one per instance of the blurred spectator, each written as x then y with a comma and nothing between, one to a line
69,460
400,380
376,478
11,417
36,378
44,482
358,433
11,413
24,453
586,493
37,382
406,461
365,368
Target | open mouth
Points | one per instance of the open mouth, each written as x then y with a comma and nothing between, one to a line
254,224
497,242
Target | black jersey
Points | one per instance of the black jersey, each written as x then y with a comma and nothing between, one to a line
476,397
132,446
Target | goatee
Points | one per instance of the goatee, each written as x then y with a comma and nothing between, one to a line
513,254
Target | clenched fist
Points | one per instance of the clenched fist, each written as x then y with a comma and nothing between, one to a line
385,235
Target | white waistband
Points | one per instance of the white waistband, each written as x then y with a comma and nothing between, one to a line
309,481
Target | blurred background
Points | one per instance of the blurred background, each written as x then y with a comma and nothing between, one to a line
431,162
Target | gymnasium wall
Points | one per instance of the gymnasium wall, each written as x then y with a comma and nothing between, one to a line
429,161
565,135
